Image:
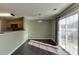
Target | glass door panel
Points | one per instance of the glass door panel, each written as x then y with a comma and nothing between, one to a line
68,34
75,34
62,33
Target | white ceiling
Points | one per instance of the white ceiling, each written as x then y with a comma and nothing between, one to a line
32,10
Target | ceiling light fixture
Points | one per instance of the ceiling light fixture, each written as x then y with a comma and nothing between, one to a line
6,14
12,14
40,21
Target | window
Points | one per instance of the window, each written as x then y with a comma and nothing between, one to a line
68,34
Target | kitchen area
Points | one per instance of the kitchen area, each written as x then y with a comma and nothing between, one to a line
12,34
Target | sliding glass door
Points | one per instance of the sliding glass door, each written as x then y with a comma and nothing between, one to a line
62,33
68,34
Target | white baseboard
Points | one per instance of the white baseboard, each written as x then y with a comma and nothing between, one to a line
40,38
17,47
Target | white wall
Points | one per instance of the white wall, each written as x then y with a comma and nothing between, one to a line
38,30
9,41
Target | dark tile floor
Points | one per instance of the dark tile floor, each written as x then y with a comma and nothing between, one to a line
27,49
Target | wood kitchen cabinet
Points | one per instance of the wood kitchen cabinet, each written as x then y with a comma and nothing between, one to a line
11,25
